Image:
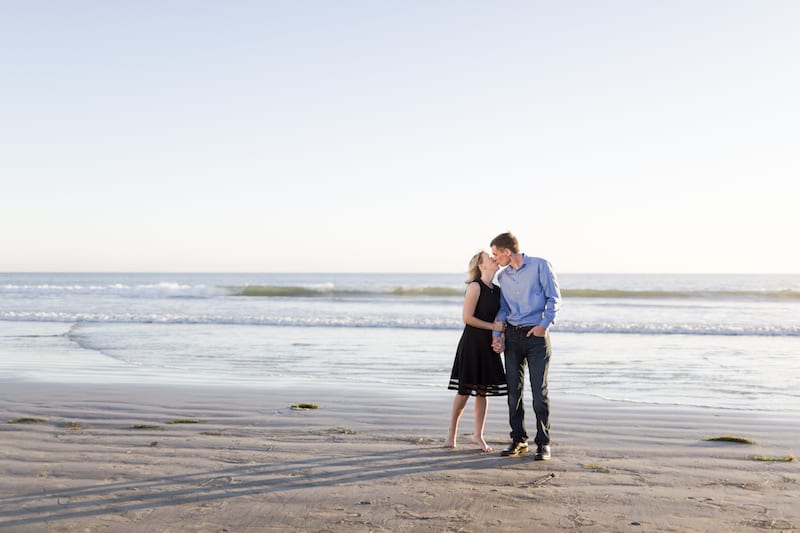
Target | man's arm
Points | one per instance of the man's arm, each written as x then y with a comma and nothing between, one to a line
552,294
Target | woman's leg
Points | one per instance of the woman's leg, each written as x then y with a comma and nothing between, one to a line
481,408
459,402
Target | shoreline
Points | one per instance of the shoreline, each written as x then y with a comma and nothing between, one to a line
370,459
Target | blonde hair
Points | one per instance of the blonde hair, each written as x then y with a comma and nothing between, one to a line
474,267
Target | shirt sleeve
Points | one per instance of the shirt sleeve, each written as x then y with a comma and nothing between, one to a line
502,314
552,294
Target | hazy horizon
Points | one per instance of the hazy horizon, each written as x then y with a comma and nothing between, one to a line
421,272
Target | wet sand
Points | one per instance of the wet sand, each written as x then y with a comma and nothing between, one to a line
162,458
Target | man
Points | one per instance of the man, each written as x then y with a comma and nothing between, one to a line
530,299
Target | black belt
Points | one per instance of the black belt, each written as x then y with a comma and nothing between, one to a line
512,327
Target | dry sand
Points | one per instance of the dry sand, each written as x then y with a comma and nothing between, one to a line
107,458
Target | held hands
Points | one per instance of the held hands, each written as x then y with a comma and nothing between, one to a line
499,344
498,341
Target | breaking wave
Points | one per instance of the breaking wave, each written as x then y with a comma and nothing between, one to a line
399,322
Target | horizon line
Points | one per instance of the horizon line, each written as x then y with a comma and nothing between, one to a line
420,272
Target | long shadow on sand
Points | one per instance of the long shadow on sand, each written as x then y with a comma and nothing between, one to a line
242,480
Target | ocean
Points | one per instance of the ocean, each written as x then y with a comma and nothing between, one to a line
721,341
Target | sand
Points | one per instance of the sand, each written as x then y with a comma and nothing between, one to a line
109,458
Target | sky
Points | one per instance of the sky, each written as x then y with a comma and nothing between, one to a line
399,136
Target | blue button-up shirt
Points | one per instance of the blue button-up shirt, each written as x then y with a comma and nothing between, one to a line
530,293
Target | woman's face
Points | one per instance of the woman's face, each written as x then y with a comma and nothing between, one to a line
501,255
488,264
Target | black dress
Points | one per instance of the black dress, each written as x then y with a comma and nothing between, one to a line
477,369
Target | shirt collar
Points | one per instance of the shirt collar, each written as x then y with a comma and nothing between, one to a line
525,261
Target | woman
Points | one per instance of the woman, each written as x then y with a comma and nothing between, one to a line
477,369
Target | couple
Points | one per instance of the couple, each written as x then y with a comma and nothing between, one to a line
511,317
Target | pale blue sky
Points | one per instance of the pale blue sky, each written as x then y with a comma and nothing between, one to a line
610,136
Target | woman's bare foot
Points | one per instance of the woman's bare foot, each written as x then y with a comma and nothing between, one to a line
449,443
482,443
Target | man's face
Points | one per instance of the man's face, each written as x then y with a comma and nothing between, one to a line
501,255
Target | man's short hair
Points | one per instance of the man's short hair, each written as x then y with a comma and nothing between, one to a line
506,240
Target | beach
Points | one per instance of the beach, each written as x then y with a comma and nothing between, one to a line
125,457
238,267
163,403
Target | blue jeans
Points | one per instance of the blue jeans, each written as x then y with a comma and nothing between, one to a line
533,352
